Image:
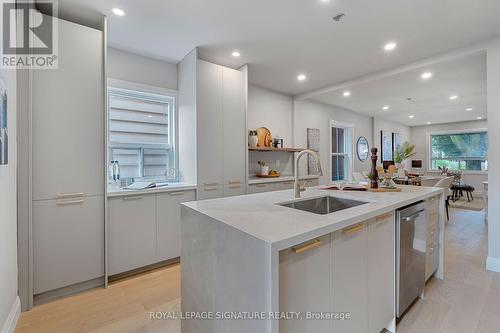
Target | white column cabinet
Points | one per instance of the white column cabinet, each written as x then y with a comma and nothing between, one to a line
168,223
349,278
305,284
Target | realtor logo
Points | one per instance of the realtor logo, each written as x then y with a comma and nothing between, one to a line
29,34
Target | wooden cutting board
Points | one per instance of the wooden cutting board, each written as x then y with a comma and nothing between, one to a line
263,137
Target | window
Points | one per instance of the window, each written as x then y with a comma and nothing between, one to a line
466,151
142,132
341,151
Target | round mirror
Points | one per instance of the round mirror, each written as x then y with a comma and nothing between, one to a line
363,148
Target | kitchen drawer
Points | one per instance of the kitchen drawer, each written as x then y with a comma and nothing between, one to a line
432,259
288,185
210,191
312,182
131,232
237,188
68,242
168,220
260,188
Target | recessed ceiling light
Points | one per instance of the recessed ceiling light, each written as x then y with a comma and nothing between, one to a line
428,123
150,116
235,54
325,1
411,117
426,75
118,11
479,118
452,97
346,93
301,77
390,46
385,107
468,109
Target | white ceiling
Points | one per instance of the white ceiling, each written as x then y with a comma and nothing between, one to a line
282,38
465,77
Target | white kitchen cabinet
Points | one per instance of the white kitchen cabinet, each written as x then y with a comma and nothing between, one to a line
432,251
304,281
260,188
168,221
68,242
210,191
236,188
68,117
381,272
279,186
209,120
234,126
349,278
131,232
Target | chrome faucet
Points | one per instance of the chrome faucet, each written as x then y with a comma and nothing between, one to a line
296,186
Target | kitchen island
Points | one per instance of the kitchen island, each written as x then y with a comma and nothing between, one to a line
254,264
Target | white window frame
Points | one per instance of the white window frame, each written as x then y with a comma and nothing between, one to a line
451,132
143,88
349,139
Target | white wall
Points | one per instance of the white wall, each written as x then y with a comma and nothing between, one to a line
389,126
9,303
419,137
270,109
493,93
136,68
308,114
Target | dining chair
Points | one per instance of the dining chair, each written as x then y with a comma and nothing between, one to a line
445,183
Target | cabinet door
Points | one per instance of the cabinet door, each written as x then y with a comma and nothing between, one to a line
234,189
234,123
131,232
381,272
68,117
168,220
209,192
349,282
209,124
68,242
259,188
283,185
304,284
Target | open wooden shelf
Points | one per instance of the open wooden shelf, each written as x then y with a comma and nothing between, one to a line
286,150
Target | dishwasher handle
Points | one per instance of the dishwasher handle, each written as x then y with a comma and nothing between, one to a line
412,216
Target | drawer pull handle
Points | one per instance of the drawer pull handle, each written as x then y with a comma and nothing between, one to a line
261,185
135,197
210,184
288,183
309,246
69,202
353,229
210,188
70,195
177,193
234,182
235,186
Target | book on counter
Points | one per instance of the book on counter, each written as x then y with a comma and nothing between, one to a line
144,185
343,187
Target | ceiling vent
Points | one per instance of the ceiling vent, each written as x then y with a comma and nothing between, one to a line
339,17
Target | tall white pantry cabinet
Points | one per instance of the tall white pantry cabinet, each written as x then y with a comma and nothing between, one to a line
68,174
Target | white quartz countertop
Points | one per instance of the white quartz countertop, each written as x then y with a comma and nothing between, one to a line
259,216
257,180
169,188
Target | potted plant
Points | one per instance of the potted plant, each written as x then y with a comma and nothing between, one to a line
406,151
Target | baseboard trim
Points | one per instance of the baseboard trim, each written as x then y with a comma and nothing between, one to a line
493,264
10,323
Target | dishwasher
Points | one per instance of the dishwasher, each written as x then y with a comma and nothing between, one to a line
410,255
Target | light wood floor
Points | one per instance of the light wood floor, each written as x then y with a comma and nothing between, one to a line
467,301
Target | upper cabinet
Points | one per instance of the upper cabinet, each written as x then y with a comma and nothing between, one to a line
68,119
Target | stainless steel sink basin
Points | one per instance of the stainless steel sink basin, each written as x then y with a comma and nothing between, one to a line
323,205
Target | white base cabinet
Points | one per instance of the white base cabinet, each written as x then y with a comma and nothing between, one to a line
350,272
432,240
144,229
68,246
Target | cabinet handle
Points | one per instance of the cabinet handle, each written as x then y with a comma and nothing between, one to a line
70,195
210,184
135,197
353,229
261,185
69,202
309,246
235,186
210,188
177,193
288,183
234,182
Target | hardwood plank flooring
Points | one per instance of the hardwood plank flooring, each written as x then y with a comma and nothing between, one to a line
467,301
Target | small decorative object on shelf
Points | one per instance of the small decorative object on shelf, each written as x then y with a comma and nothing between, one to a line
252,138
374,172
264,169
264,137
278,142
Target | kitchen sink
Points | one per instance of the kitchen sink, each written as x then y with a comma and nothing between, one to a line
323,205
